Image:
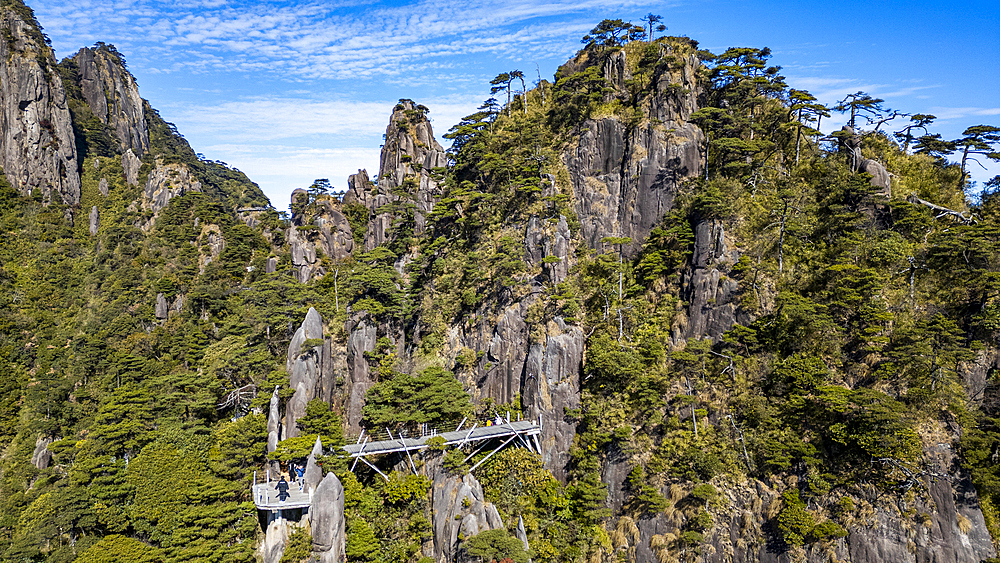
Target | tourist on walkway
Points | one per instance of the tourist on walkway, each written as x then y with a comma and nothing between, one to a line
282,489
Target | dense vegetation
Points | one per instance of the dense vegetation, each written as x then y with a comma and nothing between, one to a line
863,313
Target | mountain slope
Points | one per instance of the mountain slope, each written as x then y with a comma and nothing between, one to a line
743,342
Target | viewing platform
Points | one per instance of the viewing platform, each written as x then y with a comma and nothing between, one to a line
265,496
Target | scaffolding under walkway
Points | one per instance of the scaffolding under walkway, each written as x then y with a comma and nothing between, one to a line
526,432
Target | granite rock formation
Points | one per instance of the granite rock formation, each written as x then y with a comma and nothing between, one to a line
166,181
37,145
310,370
850,142
712,297
326,513
274,427
625,177
113,96
313,473
131,165
406,168
95,219
316,230
41,456
458,507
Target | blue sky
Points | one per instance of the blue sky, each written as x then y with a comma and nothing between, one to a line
291,91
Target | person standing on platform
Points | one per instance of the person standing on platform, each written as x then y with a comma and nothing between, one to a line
282,489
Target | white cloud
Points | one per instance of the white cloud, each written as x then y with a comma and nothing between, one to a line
274,118
279,169
962,113
320,40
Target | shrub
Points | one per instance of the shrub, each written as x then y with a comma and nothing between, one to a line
827,530
794,522
704,492
496,545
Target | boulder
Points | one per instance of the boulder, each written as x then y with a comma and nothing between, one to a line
102,186
880,176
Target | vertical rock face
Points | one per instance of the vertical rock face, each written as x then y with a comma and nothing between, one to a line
625,180
37,147
41,457
711,295
166,181
113,95
458,507
950,526
625,177
327,518
550,385
320,230
307,373
409,154
361,339
543,243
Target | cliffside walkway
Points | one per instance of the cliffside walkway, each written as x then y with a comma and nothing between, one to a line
525,431
265,496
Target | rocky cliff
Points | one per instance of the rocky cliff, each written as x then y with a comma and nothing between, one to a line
626,175
406,174
318,229
113,96
37,149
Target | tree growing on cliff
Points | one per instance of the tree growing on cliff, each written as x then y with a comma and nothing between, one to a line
501,83
651,19
917,121
859,104
612,33
432,397
496,545
978,140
